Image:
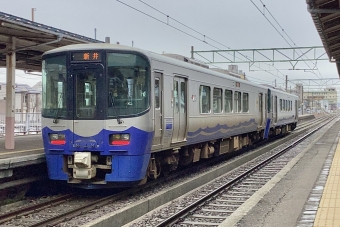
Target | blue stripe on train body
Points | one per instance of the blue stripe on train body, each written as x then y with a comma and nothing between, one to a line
221,131
129,162
285,120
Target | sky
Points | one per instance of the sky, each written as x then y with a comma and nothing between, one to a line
173,26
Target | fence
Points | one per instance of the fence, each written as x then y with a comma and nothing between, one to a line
25,123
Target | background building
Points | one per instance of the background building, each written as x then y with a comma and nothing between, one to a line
323,99
27,99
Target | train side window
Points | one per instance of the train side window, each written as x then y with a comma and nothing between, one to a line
291,105
157,96
183,97
284,105
176,110
204,99
280,104
237,101
217,100
228,101
245,102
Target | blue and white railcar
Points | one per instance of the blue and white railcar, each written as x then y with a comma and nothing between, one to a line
116,115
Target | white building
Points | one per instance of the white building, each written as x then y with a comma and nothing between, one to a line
27,99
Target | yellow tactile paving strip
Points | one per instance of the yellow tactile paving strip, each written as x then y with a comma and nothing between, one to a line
328,213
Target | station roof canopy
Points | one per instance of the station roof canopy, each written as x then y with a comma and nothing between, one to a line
326,17
32,40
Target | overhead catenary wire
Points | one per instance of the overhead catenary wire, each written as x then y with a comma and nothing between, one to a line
203,40
202,35
266,8
283,30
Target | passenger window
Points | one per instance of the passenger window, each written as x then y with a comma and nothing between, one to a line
284,105
245,102
291,105
183,97
157,96
280,104
217,104
228,101
176,110
238,104
204,99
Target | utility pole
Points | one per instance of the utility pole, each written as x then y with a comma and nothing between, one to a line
33,9
286,82
95,33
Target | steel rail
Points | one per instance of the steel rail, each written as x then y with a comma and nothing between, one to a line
177,217
33,208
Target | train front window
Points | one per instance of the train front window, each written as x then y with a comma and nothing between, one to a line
128,84
54,93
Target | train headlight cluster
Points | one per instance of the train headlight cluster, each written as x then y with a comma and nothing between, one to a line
120,139
57,138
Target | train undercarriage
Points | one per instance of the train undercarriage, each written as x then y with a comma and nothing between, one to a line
91,168
161,163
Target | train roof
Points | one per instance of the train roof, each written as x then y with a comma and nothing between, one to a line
155,56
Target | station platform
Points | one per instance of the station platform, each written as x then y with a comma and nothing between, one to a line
28,150
328,213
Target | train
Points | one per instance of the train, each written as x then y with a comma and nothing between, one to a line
118,116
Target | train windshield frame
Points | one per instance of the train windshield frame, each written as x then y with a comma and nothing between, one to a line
54,84
120,88
128,76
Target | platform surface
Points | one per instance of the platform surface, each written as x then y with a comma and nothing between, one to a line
328,213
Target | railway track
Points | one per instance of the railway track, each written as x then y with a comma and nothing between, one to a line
214,203
79,209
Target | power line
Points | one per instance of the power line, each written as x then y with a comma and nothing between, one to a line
283,31
204,36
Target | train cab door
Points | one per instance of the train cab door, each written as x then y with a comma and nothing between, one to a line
88,108
179,109
158,110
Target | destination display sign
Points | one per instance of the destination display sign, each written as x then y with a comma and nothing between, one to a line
86,56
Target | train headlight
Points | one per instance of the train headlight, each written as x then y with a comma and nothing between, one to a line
57,138
119,139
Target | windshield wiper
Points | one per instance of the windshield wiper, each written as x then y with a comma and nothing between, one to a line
115,109
56,116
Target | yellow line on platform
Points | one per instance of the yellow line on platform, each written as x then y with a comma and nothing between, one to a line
328,214
14,152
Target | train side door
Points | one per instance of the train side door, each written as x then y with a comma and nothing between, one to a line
261,109
269,113
180,109
296,110
158,109
275,109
